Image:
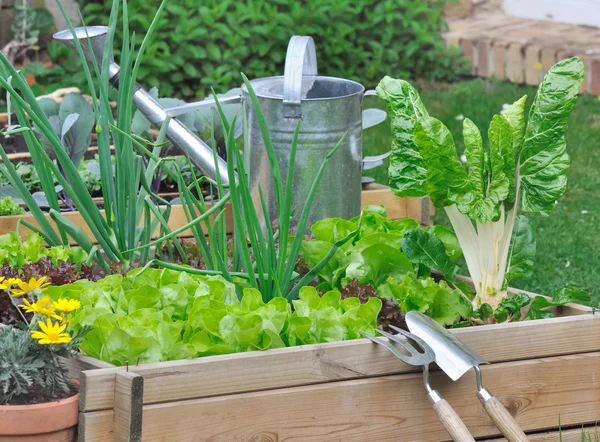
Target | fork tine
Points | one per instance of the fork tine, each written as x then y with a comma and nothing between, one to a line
427,350
403,342
391,348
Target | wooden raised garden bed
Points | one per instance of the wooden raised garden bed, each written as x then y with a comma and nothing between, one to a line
351,391
419,209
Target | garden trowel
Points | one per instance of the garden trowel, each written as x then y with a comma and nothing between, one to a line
455,359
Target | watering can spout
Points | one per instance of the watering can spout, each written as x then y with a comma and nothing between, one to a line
93,40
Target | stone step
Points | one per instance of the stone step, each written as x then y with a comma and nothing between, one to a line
522,50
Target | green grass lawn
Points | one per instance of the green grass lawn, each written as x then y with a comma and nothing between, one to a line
568,241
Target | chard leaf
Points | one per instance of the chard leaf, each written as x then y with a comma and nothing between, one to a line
501,145
515,115
407,174
522,250
539,306
543,159
448,238
422,247
447,182
475,157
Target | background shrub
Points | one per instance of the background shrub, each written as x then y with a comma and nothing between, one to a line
199,45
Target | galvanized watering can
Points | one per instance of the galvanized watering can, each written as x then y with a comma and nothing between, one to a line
328,107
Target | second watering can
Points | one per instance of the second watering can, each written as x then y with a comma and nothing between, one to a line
328,108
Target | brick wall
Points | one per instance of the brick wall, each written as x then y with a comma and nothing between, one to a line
522,50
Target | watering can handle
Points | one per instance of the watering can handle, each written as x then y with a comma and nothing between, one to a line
300,61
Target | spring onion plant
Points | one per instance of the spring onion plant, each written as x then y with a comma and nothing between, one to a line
522,170
132,213
263,257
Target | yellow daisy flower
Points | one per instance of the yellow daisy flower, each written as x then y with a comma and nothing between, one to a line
51,333
42,306
66,305
8,283
33,287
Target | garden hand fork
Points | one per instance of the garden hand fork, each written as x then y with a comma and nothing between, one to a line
448,417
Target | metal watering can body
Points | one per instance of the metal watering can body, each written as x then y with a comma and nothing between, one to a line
329,109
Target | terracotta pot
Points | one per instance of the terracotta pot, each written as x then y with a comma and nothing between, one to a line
48,422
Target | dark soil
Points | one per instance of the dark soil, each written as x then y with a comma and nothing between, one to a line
16,143
13,143
37,395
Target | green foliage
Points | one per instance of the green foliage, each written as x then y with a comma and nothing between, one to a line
9,206
524,168
510,308
435,299
26,173
380,248
16,252
157,315
30,372
72,120
211,42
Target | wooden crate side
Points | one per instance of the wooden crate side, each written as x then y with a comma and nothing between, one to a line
314,364
96,426
573,435
398,208
81,363
127,418
392,408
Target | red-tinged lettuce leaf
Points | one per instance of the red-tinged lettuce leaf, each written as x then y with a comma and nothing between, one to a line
390,313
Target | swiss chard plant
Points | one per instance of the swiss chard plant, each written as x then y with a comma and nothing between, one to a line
522,170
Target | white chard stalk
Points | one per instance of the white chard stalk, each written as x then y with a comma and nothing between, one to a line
522,170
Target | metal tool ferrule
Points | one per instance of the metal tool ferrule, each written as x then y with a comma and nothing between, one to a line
434,396
484,395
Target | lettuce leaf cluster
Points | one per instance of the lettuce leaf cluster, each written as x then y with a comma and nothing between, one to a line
382,248
157,315
16,252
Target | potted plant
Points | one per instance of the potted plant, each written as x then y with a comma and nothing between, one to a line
38,399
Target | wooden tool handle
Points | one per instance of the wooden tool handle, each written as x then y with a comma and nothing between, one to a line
503,419
451,421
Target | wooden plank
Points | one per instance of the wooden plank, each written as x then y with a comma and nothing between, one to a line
573,435
80,363
95,427
127,419
314,364
390,408
398,208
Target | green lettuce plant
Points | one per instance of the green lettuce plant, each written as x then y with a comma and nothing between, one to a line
15,252
378,249
523,170
153,315
8,206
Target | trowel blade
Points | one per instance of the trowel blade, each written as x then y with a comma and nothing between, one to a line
451,355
